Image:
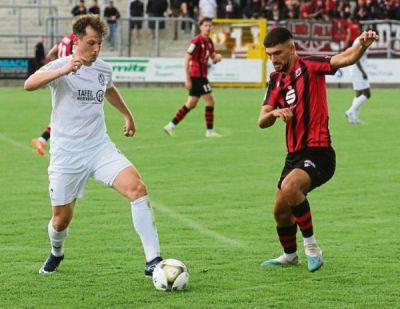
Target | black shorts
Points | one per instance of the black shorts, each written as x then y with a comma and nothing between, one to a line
135,24
318,162
200,86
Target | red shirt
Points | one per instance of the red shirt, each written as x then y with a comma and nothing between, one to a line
65,45
201,49
303,90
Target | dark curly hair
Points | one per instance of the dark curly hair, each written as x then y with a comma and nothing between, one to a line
277,36
94,21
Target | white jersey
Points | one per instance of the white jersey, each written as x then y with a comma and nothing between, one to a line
77,117
355,72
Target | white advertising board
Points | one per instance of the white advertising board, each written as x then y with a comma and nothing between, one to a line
171,70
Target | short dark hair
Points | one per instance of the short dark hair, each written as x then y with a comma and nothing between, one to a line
277,36
94,21
205,19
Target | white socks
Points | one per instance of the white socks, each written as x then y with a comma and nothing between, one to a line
57,240
290,256
143,222
357,102
309,240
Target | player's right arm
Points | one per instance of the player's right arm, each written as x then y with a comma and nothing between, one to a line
188,80
44,76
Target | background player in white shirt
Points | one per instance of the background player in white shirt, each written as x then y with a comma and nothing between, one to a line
80,147
361,87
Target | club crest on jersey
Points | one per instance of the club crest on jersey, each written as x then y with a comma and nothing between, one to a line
101,79
298,72
100,96
290,96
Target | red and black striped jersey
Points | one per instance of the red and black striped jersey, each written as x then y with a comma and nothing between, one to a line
65,46
201,49
303,90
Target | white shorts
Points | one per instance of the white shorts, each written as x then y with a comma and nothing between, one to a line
69,173
360,84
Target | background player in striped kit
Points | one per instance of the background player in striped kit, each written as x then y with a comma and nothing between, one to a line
196,68
61,49
297,94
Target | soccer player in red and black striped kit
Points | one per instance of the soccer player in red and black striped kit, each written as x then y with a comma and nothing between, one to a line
61,49
196,65
297,94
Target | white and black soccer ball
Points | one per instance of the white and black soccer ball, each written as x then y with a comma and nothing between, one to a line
170,275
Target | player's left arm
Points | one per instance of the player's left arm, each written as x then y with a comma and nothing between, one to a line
353,54
113,96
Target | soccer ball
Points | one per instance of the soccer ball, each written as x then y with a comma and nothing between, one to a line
170,275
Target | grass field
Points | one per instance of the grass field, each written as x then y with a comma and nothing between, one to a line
212,201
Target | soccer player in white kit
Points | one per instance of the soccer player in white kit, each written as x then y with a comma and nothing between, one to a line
80,147
361,87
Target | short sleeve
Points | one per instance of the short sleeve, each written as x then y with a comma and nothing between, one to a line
272,96
319,64
51,66
109,77
191,47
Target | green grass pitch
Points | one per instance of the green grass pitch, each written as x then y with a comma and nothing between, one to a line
212,201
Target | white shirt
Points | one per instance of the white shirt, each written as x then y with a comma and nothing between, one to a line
77,118
208,8
355,72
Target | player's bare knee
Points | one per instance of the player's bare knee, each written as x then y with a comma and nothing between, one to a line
290,193
136,190
60,223
283,216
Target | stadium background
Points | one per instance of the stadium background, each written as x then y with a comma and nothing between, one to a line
211,198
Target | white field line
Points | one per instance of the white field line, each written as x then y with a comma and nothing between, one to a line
225,132
6,139
197,226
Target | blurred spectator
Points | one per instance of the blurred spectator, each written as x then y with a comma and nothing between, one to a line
136,9
253,9
362,11
40,55
273,12
111,15
382,10
307,10
177,8
156,8
230,9
343,9
291,9
79,9
394,12
94,9
320,10
192,8
207,8
352,32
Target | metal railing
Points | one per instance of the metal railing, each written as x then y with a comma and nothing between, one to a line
17,10
28,41
52,30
